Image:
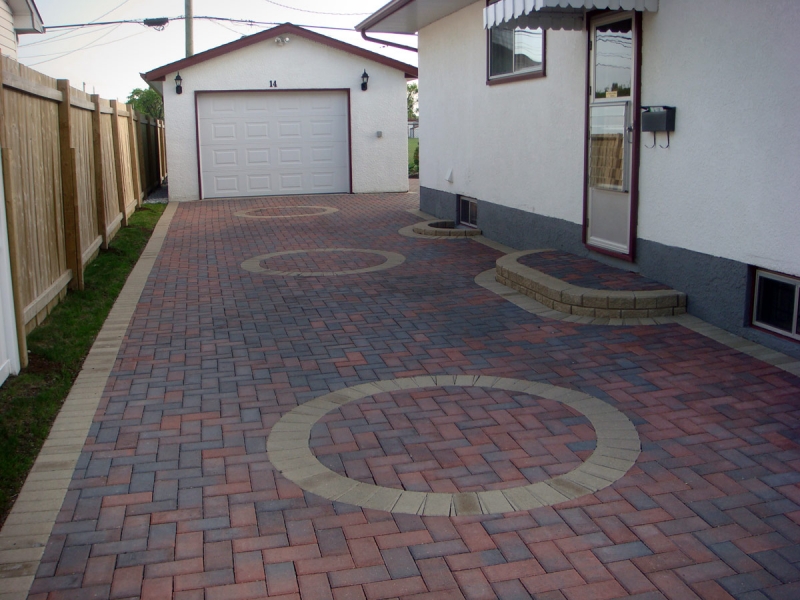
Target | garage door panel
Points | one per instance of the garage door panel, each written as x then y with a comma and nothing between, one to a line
259,185
291,183
225,185
218,106
256,130
266,143
290,129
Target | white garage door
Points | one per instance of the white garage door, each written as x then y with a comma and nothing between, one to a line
273,143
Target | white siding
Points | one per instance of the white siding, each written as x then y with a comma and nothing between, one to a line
728,184
8,39
379,164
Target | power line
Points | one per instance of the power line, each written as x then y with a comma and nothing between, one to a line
68,52
120,5
316,12
202,17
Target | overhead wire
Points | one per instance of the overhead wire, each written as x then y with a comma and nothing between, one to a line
93,21
316,12
73,51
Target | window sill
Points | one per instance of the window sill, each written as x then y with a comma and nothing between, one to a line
498,79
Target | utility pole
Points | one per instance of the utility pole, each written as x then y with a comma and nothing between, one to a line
189,29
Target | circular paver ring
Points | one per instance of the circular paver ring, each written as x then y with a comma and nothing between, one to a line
246,214
392,260
618,447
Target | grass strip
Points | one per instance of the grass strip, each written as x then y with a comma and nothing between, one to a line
57,348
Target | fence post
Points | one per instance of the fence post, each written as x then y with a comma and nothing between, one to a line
69,188
99,184
13,239
134,152
118,161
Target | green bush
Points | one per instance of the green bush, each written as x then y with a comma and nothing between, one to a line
416,156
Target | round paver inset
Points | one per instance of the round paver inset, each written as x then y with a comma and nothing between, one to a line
324,262
291,212
456,445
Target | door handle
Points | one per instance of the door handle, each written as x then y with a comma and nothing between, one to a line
629,134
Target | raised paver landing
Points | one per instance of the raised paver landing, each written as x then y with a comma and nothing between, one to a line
446,392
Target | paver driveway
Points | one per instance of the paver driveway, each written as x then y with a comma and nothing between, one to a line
175,493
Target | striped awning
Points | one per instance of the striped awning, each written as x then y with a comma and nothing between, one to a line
554,14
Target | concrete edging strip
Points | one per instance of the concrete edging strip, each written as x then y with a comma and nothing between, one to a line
30,522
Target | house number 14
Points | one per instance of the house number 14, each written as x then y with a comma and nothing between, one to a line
273,83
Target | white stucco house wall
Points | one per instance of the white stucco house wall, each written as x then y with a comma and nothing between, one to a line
283,112
17,17
713,211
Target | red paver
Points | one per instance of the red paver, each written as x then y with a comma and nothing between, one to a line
175,495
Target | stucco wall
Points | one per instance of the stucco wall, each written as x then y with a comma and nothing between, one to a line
516,144
726,187
378,164
8,39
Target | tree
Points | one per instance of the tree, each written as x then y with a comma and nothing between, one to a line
148,102
411,101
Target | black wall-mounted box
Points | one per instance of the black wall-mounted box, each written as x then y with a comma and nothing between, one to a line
658,118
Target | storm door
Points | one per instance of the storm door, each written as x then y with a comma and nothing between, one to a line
609,216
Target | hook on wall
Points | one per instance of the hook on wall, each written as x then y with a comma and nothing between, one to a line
658,118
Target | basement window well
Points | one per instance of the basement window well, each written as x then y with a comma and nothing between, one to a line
777,303
467,211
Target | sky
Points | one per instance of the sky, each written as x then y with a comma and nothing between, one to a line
107,60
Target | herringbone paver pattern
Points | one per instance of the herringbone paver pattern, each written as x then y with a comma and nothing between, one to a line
588,273
174,494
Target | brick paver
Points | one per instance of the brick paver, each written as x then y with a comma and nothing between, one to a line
174,492
588,273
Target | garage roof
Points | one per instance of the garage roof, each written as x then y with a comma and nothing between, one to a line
160,73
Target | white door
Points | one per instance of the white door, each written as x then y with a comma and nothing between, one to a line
9,354
609,216
273,143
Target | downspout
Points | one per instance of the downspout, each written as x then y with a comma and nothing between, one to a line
386,42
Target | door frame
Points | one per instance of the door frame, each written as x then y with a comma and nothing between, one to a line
636,107
197,93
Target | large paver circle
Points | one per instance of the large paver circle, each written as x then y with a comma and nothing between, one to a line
248,214
392,260
618,447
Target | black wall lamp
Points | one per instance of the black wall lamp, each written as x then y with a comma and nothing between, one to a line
364,80
178,86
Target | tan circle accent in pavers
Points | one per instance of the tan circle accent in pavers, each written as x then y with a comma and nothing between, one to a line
393,259
618,447
246,214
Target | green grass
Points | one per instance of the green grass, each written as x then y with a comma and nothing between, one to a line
30,402
413,143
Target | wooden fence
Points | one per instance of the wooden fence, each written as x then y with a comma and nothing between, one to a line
75,167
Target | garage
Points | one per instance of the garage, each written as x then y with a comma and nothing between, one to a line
285,111
273,143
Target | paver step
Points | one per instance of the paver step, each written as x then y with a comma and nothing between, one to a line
584,301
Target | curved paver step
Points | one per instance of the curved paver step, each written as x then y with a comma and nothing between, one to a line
586,302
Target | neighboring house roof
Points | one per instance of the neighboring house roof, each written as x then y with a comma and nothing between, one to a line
26,16
409,16
160,73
